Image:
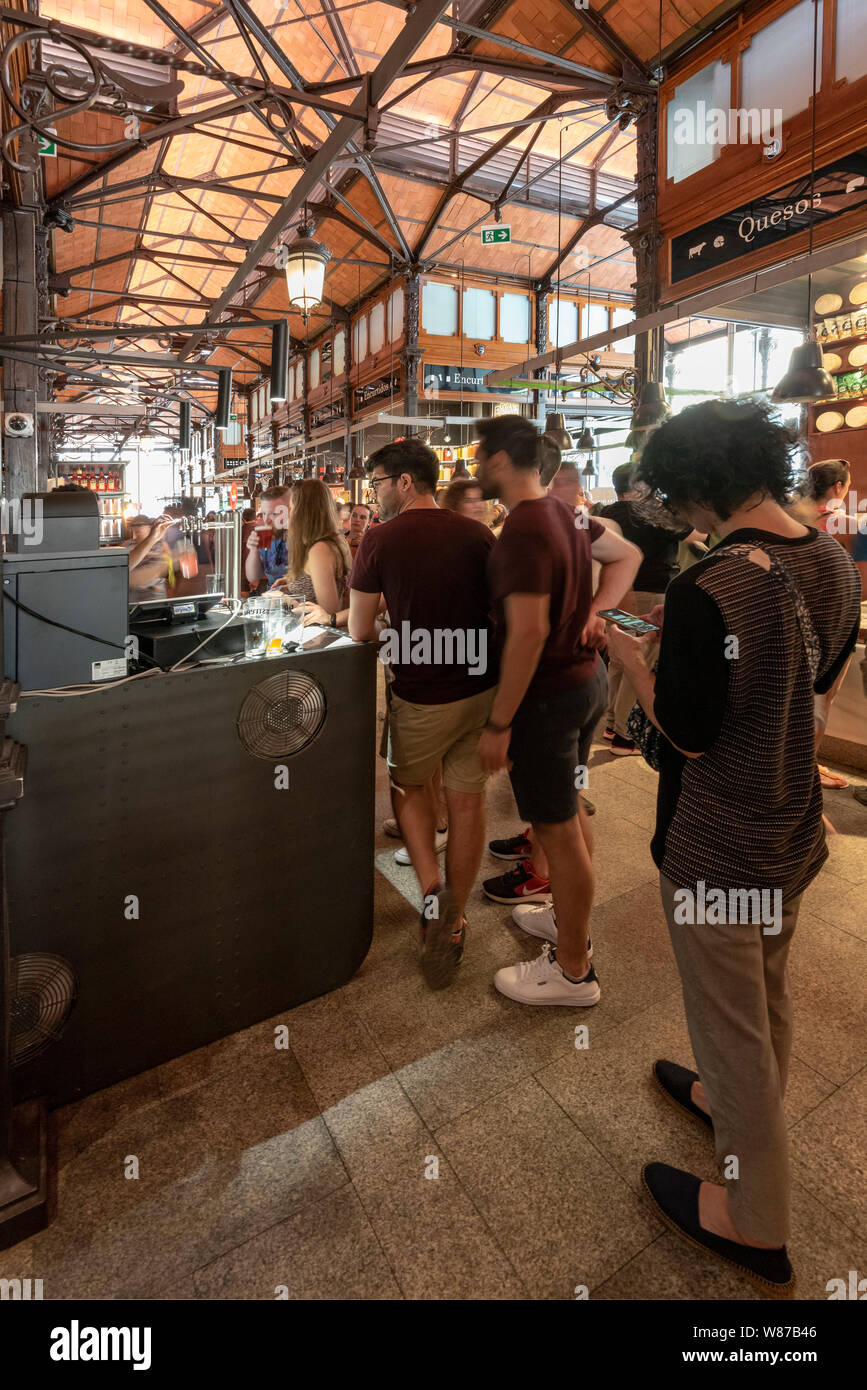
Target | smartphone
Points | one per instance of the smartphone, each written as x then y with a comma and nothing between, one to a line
324,639
637,626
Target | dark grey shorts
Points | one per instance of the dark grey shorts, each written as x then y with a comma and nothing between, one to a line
551,740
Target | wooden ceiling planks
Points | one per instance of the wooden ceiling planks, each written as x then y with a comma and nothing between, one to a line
191,220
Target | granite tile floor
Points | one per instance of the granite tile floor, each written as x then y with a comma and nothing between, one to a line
458,1145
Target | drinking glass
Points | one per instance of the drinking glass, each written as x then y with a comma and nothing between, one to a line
255,616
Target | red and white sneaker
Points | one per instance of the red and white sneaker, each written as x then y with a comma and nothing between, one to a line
521,885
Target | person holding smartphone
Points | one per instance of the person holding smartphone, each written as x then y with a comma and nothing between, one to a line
659,564
749,635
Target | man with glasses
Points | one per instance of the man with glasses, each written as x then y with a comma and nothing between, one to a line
430,565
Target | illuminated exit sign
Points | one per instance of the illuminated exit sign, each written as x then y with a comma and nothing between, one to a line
499,232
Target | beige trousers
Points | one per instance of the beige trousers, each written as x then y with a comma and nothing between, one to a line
739,1014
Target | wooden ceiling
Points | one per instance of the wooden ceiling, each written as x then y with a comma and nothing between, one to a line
161,229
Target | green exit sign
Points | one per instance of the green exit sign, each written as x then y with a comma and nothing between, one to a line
499,232
45,145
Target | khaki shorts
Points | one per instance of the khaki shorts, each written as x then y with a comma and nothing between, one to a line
420,737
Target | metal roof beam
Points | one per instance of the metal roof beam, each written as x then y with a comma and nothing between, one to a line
418,25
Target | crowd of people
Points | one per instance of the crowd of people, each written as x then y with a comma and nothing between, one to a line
499,658
494,604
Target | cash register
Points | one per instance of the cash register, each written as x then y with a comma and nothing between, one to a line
168,629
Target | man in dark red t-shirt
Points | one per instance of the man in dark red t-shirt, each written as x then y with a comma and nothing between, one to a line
551,693
430,564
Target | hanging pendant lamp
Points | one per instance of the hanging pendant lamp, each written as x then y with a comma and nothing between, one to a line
653,407
306,260
806,378
555,428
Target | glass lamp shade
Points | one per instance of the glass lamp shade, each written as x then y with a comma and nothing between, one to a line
306,260
586,441
652,408
356,472
555,428
588,471
806,379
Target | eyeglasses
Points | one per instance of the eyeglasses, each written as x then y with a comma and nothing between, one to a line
375,482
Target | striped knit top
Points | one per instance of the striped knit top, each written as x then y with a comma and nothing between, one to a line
734,684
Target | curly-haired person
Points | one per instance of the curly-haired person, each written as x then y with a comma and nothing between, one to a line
749,633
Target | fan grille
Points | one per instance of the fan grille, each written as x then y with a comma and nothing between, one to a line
282,715
44,991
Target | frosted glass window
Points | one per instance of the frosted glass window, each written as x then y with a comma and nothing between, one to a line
480,314
254,410
515,318
395,315
595,319
266,393
339,354
299,381
563,322
377,327
851,54
777,68
314,369
691,143
622,316
439,311
359,339
291,386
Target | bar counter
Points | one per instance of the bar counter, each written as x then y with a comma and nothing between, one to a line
185,875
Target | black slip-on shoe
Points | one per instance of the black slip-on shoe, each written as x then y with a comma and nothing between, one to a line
674,1194
675,1082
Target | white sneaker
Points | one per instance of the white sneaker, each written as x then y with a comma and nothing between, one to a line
536,919
441,839
541,981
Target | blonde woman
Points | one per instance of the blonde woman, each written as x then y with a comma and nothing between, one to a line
320,558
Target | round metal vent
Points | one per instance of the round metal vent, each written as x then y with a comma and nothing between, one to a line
43,990
282,715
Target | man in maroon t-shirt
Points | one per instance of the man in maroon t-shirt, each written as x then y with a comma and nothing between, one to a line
551,693
430,564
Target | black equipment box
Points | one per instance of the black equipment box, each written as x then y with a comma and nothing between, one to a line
67,521
65,615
